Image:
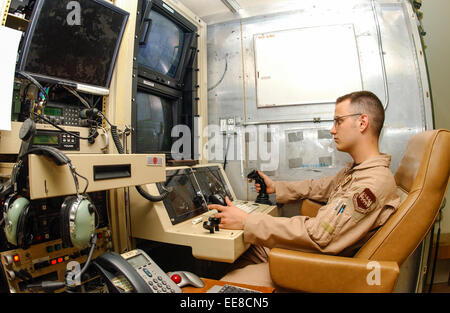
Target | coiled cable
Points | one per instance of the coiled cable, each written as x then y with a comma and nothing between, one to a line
139,189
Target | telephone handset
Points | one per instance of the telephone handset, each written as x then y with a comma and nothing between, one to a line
134,271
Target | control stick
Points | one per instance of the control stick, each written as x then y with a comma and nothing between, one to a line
262,197
212,224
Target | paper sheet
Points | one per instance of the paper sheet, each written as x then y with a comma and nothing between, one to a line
10,39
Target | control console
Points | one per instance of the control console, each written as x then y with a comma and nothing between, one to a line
47,261
183,218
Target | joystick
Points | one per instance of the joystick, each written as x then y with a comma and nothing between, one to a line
212,224
262,197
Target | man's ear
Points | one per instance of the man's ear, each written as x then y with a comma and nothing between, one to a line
363,122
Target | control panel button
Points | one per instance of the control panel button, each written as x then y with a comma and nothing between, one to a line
8,259
11,275
176,278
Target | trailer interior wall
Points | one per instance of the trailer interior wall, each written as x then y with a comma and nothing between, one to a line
392,65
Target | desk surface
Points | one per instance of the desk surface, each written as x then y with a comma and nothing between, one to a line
211,282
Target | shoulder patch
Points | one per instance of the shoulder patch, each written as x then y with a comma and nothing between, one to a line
365,201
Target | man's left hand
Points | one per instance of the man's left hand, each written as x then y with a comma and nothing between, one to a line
231,217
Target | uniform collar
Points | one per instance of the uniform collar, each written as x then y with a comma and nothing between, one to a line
380,160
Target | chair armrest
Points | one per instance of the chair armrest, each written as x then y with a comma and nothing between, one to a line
310,207
310,272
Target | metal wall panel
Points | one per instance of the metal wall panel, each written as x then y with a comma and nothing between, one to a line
232,87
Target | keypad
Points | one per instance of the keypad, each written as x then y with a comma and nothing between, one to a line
71,116
155,281
66,138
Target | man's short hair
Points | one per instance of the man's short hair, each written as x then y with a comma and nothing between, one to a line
368,103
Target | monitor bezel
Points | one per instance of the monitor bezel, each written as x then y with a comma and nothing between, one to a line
28,37
189,46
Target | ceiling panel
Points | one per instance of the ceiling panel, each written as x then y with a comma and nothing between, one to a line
204,8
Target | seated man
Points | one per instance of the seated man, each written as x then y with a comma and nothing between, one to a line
359,199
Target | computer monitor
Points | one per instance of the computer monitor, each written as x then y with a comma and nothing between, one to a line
155,111
211,181
184,200
167,44
154,122
73,45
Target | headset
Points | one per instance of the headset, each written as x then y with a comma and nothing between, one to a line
77,215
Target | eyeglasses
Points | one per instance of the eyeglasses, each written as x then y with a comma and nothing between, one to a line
339,119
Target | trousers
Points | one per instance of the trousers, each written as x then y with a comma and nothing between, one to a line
251,268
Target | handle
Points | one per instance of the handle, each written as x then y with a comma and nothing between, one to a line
146,22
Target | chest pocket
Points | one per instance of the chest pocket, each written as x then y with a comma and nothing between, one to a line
329,223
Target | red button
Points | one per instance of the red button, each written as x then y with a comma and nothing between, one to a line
176,278
155,160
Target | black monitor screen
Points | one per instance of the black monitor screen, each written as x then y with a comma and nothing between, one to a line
73,41
211,181
164,47
154,122
184,200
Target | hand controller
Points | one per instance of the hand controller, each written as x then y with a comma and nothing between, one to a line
262,197
212,224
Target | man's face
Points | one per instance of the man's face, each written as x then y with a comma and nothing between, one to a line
345,130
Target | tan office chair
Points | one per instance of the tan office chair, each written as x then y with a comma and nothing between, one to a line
422,180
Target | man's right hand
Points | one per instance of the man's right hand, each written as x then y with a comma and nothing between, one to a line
270,185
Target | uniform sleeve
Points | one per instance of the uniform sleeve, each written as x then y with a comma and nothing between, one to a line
339,224
317,189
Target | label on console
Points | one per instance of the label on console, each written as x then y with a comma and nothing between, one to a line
146,82
154,160
46,258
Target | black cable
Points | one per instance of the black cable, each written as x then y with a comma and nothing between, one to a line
437,246
429,254
74,175
35,82
139,189
103,115
150,197
226,153
85,179
88,261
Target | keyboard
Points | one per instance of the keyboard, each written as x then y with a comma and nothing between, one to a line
246,206
230,289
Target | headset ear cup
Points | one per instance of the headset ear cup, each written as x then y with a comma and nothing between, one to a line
16,216
78,222
24,234
64,220
84,224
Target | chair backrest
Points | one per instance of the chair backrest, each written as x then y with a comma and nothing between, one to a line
422,178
